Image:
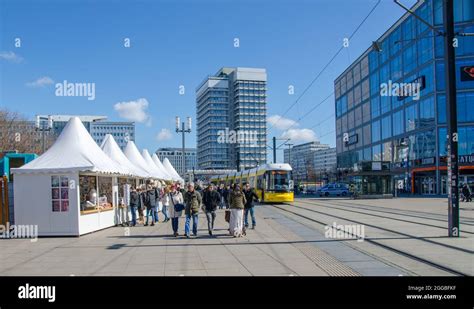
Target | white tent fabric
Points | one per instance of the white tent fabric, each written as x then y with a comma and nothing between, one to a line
170,168
159,173
74,150
160,165
132,154
110,147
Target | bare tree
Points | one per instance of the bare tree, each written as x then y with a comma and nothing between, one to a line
19,134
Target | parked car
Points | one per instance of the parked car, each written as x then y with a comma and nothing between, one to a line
333,189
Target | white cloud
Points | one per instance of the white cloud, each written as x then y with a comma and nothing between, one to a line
164,135
134,111
300,135
10,56
281,122
41,82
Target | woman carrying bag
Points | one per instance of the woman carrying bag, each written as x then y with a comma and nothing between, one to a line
237,201
176,208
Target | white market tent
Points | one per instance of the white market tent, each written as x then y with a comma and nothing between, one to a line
48,190
110,147
132,153
160,165
159,173
170,168
74,150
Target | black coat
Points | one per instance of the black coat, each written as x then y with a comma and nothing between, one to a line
134,199
150,198
250,195
225,194
211,200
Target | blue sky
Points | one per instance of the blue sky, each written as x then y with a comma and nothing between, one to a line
177,43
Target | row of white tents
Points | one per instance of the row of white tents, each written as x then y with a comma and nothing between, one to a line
75,154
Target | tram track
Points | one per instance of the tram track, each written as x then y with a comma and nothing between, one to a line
402,212
380,216
379,244
387,230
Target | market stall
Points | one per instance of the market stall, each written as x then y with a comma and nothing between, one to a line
70,189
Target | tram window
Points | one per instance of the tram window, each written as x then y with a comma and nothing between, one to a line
259,182
279,180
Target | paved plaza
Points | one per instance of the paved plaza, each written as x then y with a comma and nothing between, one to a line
403,237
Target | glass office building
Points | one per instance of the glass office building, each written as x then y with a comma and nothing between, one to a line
231,119
394,142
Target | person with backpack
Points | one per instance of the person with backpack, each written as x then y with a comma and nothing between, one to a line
211,200
193,202
176,208
250,197
237,204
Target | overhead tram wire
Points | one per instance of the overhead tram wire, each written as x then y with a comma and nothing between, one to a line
379,108
327,65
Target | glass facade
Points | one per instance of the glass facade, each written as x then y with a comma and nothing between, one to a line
407,132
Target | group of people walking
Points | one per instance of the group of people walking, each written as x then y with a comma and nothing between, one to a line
173,200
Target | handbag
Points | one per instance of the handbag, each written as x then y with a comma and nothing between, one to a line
227,215
177,207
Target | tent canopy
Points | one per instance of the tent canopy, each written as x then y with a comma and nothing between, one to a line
170,169
74,150
157,171
160,165
134,156
110,147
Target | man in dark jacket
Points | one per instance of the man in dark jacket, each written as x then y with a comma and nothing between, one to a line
134,203
220,190
150,203
250,196
211,200
225,195
192,201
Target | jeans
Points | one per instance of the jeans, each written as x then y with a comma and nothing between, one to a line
195,224
174,224
151,212
211,217
165,212
133,210
246,216
155,214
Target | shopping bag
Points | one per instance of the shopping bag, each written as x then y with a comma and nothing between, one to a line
227,215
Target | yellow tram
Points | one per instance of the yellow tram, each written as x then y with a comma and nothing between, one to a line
273,183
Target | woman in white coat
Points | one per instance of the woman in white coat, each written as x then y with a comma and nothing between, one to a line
176,198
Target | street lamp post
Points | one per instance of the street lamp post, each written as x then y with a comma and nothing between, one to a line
43,125
185,128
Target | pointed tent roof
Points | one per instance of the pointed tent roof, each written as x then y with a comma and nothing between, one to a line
110,147
170,168
159,173
132,154
74,150
158,163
